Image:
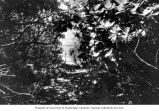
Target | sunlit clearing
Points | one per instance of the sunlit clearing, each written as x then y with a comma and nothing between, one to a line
63,6
68,43
66,0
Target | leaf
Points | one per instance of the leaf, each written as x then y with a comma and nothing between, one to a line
114,33
113,37
97,6
106,24
108,4
126,36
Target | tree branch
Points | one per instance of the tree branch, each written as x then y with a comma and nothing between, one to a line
7,75
20,96
155,67
28,23
142,60
137,45
2,92
157,57
13,92
3,72
4,45
3,65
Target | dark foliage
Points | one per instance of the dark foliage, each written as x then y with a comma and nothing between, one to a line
118,53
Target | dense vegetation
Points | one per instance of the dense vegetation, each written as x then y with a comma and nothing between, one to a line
116,60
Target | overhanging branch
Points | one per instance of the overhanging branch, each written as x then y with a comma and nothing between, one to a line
142,60
4,45
157,52
13,92
137,45
7,75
